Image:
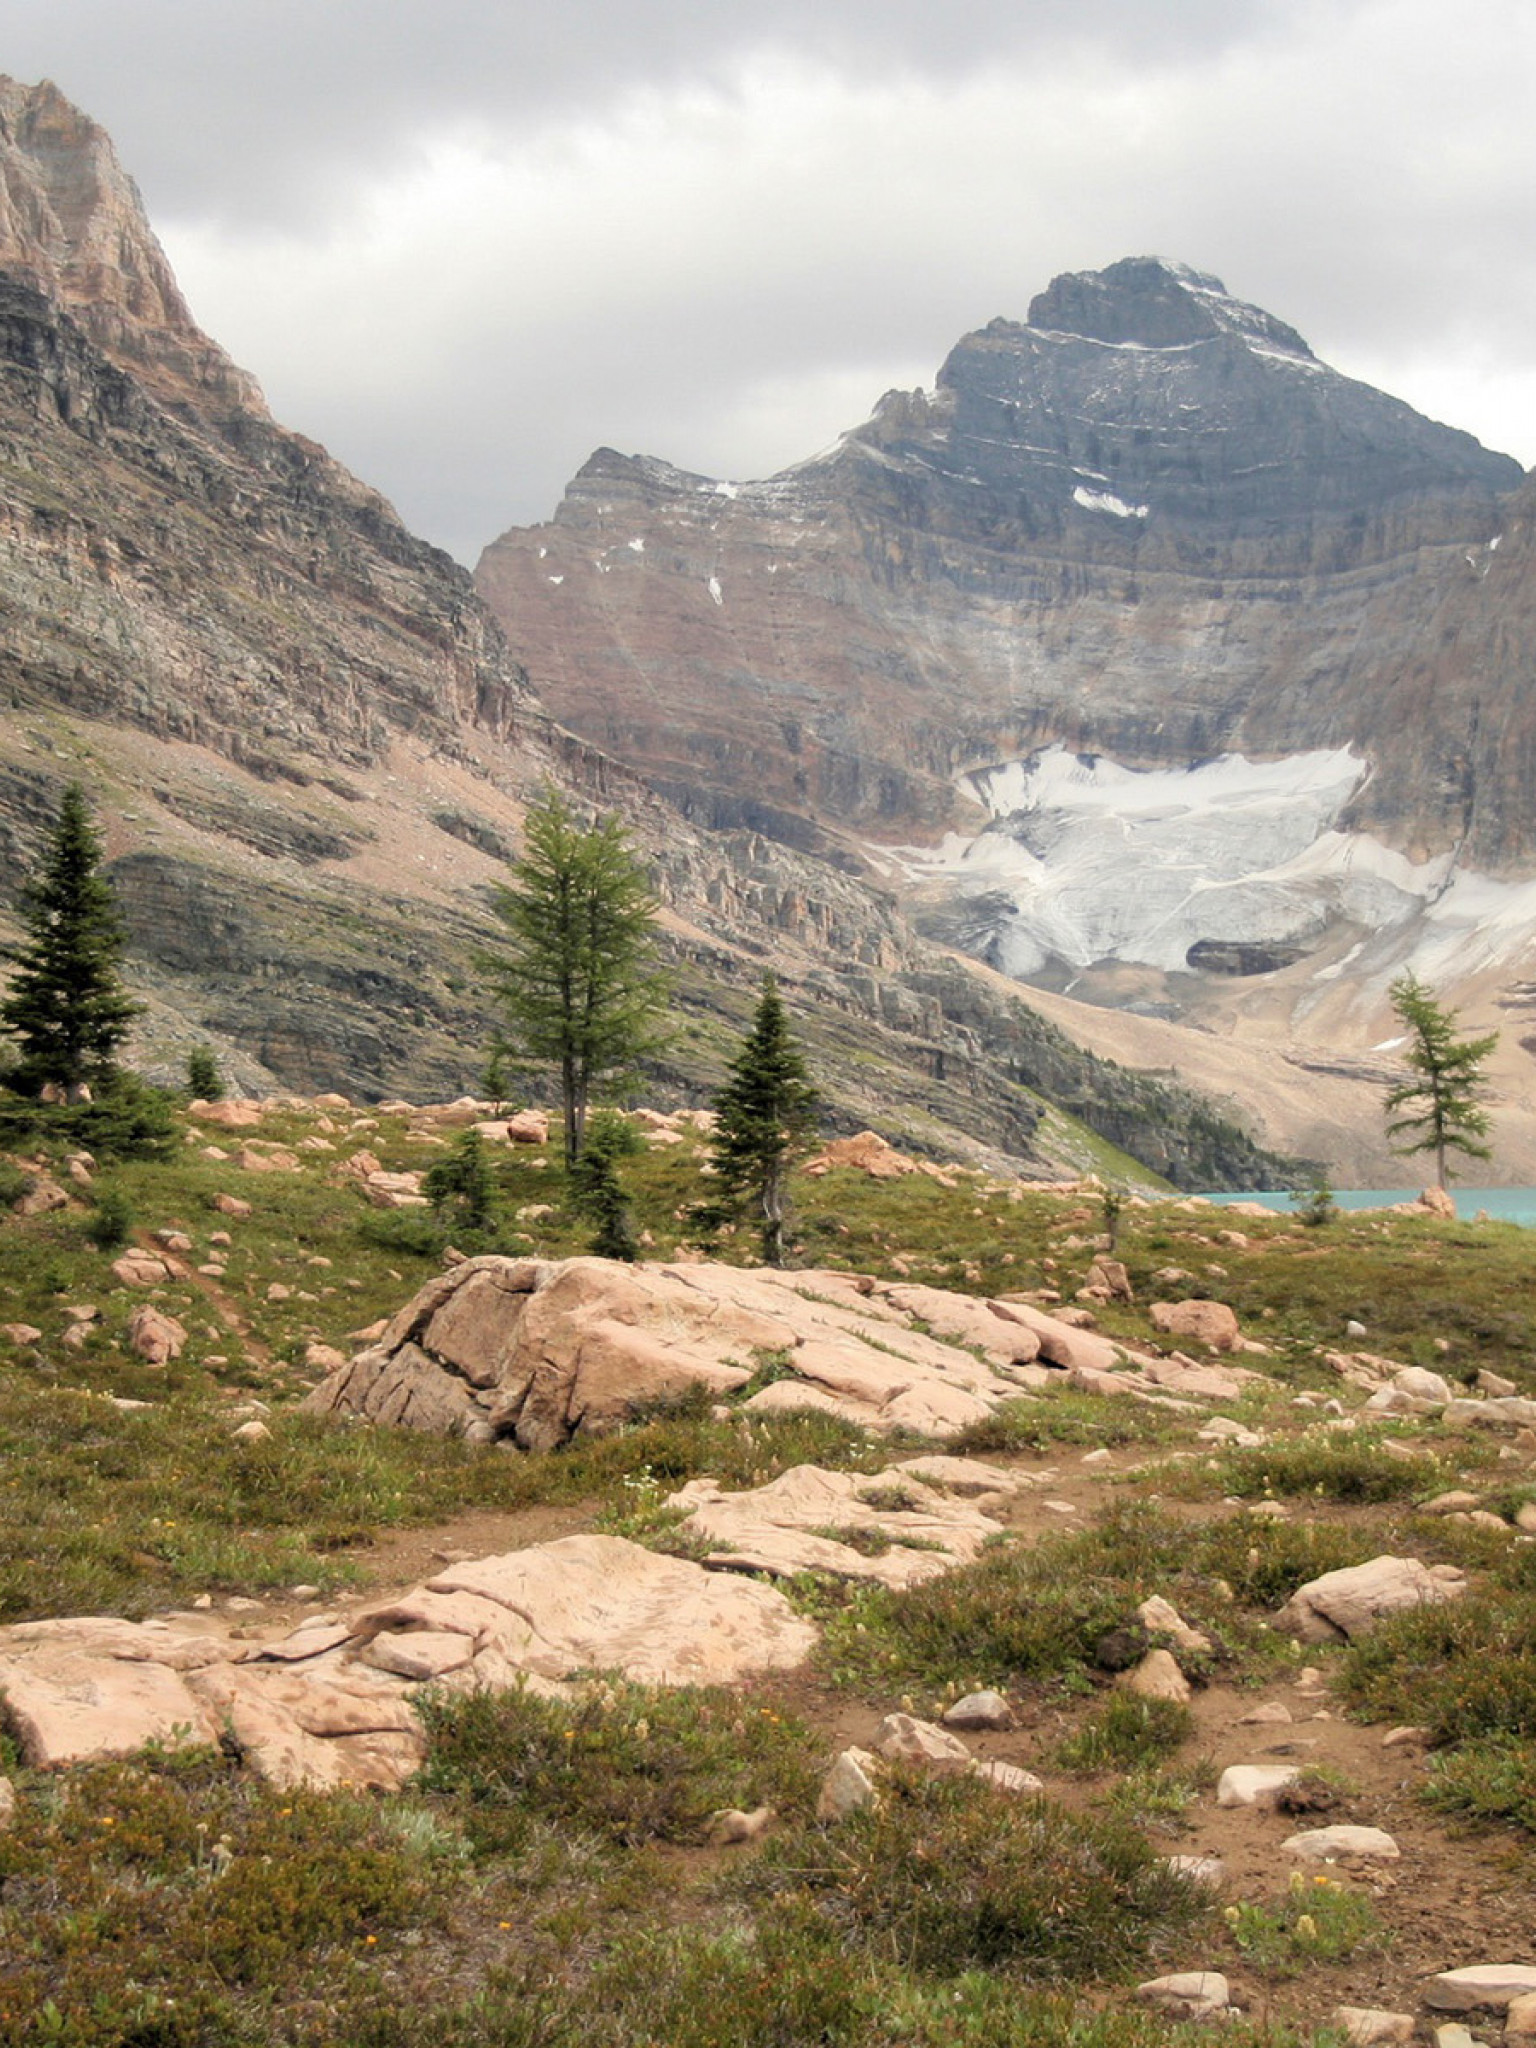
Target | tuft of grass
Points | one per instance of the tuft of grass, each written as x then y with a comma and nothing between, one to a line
1065,1417
1330,1467
1125,1734
629,1764
1463,1668
1490,1779
947,1874
1315,1920
1039,1613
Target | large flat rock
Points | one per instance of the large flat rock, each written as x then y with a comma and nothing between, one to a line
893,1528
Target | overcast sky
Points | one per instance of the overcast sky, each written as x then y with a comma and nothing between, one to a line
465,242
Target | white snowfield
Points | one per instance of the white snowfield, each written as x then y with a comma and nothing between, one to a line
1087,861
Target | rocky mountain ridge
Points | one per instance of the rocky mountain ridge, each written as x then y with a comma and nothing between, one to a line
311,746
1146,523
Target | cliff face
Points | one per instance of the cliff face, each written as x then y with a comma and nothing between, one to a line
1147,523
72,223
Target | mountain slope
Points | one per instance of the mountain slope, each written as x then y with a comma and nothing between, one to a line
311,747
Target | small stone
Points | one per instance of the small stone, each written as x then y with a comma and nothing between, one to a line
901,1738
1254,1784
1482,1984
1157,1677
278,1292
1321,1845
7,1802
304,1592
1098,1457
979,1710
20,1333
1355,1329
1406,1737
1197,1869
1520,2017
1455,2035
1457,1502
850,1784
1059,1507
252,1433
1525,1516
1369,2026
1494,1383
1262,1716
1188,1995
1161,1618
1006,1777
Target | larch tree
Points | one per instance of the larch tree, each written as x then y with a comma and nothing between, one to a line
1440,1099
579,981
763,1114
66,1004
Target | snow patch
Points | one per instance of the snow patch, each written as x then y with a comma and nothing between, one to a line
554,579
637,545
715,591
1106,501
723,490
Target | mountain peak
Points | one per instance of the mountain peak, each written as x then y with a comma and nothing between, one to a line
72,223
1148,302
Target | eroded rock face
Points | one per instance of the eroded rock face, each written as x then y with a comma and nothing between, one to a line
1139,523
540,1351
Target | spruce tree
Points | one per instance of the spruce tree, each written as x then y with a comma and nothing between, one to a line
1448,1074
764,1112
66,1003
580,984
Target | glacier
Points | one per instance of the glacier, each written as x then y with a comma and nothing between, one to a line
1086,860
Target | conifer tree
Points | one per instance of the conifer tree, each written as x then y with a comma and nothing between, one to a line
579,984
66,1003
1448,1074
764,1112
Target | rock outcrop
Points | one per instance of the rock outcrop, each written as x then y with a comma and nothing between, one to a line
539,1351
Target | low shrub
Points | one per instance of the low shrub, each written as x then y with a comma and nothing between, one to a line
1491,1779
1463,1668
949,1874
629,1764
1126,1733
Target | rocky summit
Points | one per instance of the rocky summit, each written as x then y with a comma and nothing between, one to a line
1146,653
1147,522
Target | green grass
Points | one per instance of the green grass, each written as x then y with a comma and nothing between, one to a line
1316,1920
1037,1614
1064,1416
1492,1778
1465,1669
948,1874
1126,1734
629,1764
1325,1466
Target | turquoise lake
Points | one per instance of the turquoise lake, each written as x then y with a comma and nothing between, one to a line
1504,1205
